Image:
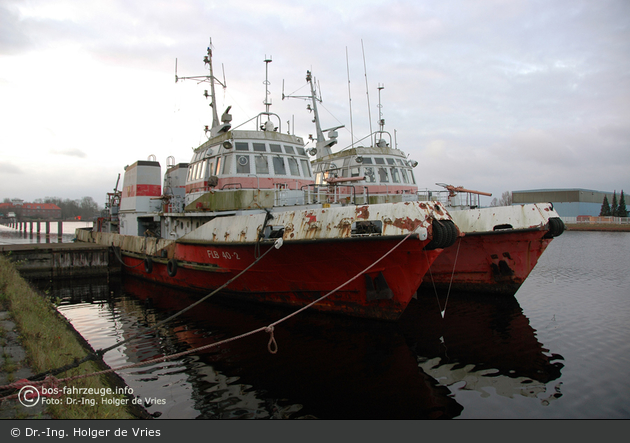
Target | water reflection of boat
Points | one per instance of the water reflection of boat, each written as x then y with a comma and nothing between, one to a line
482,342
328,366
331,367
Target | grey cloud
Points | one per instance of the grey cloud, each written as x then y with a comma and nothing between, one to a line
13,39
70,152
9,168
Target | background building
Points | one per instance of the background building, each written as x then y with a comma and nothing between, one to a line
23,211
567,202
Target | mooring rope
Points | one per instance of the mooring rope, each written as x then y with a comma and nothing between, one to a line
272,345
121,261
448,292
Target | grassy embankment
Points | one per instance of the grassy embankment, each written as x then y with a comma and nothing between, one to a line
51,342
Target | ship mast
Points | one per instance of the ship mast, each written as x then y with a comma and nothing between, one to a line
322,145
217,126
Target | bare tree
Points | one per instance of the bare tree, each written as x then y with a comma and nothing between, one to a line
505,200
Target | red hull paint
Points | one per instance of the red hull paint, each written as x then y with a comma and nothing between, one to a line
491,263
298,274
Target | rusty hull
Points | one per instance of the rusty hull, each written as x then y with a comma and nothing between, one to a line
499,249
320,253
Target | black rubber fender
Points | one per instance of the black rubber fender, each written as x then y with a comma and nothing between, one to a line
171,267
438,236
148,265
556,226
452,233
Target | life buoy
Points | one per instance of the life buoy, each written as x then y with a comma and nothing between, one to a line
148,265
171,267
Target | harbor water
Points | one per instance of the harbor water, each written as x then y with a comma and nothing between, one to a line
558,349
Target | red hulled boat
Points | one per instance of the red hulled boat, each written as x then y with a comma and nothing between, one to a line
500,245
248,198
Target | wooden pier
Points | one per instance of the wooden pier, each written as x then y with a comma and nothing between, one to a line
62,260
32,226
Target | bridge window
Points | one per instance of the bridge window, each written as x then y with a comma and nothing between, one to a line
379,161
242,164
278,166
395,175
242,146
367,161
289,150
370,177
293,165
382,175
275,148
218,168
306,168
227,165
301,151
262,166
404,176
259,147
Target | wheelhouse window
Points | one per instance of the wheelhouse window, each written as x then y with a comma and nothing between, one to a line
227,165
242,164
289,150
379,161
278,166
306,168
275,148
383,177
293,165
242,146
367,160
301,151
395,175
259,147
261,164
370,176
218,167
405,178
390,161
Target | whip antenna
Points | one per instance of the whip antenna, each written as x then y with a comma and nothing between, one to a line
349,98
367,89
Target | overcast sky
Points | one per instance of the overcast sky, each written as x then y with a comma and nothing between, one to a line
493,95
